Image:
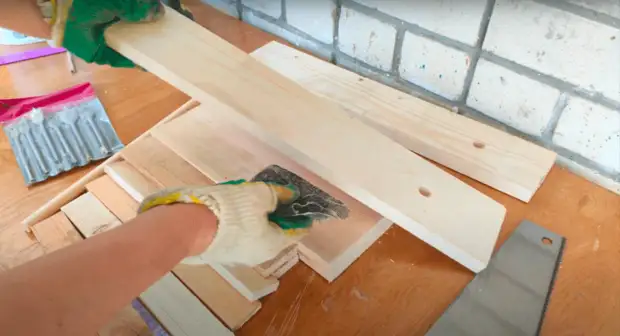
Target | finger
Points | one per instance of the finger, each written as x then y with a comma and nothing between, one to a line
285,193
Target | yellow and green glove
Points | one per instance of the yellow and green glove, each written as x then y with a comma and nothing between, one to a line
78,26
245,234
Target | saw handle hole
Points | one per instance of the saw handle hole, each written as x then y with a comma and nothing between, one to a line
424,192
546,241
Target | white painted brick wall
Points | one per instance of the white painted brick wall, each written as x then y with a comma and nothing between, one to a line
316,18
272,8
511,98
592,131
433,66
557,43
609,7
366,38
456,19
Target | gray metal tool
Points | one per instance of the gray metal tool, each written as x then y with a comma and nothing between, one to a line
510,296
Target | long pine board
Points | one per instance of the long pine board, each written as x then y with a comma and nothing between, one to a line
319,135
174,306
245,279
57,232
500,160
332,245
215,292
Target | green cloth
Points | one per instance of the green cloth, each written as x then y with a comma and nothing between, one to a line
285,223
87,20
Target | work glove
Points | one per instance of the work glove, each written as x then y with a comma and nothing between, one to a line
78,25
244,234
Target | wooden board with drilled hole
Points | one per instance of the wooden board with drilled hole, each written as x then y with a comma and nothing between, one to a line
319,135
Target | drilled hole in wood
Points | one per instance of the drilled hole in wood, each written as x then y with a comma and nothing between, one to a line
479,144
424,192
546,240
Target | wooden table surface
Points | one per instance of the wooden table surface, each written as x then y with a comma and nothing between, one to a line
400,286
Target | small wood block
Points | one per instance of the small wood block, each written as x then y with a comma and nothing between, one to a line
56,232
247,281
269,267
89,215
128,178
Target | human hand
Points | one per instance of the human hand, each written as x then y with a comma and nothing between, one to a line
244,234
79,25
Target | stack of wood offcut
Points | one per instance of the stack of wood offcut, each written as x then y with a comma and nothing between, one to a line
349,136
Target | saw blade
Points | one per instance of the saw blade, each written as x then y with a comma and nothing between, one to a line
510,296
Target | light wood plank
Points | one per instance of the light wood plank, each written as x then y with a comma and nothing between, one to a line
121,204
89,215
128,178
319,135
287,266
491,156
230,306
276,264
329,243
157,162
55,232
135,184
180,311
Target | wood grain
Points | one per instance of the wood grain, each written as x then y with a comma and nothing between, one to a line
331,245
491,156
319,135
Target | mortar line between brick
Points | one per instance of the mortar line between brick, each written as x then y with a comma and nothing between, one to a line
410,27
239,9
583,12
283,17
595,97
558,108
336,37
475,56
398,50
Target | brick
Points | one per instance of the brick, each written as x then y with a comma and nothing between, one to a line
558,44
456,19
511,98
609,7
226,6
433,66
592,131
272,8
366,39
283,32
315,18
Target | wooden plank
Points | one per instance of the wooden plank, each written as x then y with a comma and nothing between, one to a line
57,232
330,244
272,266
319,135
215,292
128,178
219,295
176,308
138,186
123,206
157,162
180,311
491,156
89,215
77,188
